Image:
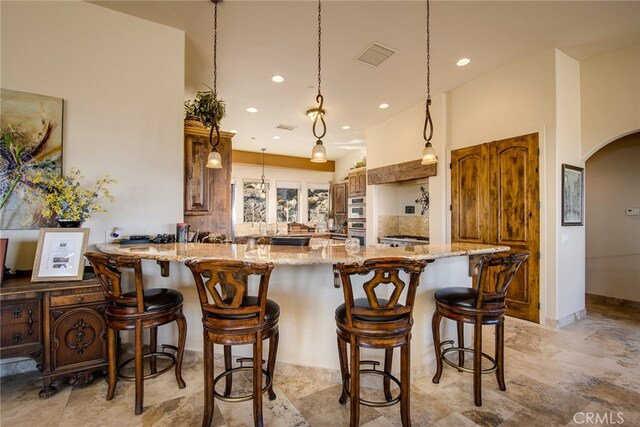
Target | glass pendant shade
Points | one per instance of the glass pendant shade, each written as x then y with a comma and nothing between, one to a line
214,161
319,154
429,155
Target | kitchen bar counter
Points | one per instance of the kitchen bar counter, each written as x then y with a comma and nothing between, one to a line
302,283
319,251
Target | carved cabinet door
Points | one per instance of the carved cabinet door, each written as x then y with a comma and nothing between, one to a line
495,200
77,337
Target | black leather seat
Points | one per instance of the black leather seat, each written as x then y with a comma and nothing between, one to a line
156,299
341,311
272,309
464,297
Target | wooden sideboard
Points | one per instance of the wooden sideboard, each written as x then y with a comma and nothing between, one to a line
58,324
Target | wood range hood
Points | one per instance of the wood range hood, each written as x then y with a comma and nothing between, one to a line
400,172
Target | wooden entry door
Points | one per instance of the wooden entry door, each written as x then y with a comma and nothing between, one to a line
495,200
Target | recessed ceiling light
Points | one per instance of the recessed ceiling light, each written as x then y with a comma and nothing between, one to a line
276,137
346,127
277,78
233,131
383,106
252,109
462,62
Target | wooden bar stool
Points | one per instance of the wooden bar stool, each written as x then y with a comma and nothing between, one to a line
231,316
138,310
484,304
375,322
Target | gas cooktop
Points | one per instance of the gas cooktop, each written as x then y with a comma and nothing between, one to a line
405,236
403,240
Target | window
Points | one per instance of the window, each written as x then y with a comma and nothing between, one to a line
318,203
255,207
287,202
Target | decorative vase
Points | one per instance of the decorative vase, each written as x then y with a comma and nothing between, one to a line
69,223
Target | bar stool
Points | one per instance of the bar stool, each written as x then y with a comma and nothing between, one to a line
374,322
484,304
138,310
231,316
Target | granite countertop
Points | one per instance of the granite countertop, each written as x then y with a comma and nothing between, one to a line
293,234
319,251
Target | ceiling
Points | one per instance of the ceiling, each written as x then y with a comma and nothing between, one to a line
258,39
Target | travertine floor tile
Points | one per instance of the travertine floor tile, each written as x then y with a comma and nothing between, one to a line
553,376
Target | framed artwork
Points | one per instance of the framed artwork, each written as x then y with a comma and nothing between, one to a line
572,195
31,142
59,254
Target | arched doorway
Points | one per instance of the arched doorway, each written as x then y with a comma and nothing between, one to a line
612,185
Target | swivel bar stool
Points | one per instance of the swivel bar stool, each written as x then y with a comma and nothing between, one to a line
138,310
231,316
374,322
484,304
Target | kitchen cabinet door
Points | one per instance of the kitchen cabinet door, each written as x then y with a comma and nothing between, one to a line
207,192
339,198
495,200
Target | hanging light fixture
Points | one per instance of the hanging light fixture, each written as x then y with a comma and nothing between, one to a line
263,186
319,154
428,153
214,160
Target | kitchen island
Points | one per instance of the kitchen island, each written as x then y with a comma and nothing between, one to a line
302,283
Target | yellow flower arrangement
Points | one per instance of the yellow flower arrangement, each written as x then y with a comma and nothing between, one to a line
65,199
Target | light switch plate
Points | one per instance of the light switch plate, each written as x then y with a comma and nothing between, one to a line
409,209
632,212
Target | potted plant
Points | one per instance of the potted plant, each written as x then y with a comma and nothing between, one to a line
66,200
205,107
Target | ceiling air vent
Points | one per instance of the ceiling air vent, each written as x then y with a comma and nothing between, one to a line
375,54
285,127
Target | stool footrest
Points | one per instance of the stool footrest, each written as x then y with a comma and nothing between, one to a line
373,404
239,398
162,354
446,351
243,360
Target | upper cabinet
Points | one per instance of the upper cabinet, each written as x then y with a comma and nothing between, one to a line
207,192
339,198
358,182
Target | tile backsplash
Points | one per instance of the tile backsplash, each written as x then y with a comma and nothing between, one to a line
414,225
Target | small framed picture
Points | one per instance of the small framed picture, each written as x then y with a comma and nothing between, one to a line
4,243
59,254
572,195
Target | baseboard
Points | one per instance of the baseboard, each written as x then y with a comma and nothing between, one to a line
567,320
602,299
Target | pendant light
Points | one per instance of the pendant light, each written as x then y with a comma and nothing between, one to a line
319,154
428,153
214,160
263,186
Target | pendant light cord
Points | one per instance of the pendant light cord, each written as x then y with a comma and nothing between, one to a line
427,132
319,98
215,76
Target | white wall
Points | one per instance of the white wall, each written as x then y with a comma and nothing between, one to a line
571,242
347,162
272,175
613,239
610,89
116,120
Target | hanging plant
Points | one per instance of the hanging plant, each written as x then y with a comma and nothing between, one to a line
205,107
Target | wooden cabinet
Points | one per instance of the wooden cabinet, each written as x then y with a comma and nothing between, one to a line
357,182
339,198
58,324
207,192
